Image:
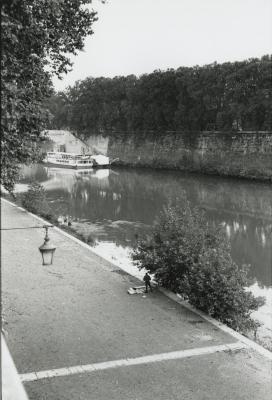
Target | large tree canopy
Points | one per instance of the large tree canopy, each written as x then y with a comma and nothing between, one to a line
228,96
37,38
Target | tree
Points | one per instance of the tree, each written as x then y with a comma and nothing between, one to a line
225,97
191,257
37,36
58,107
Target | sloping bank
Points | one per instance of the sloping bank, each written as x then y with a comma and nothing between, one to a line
240,154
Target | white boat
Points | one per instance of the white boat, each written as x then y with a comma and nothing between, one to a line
77,161
68,160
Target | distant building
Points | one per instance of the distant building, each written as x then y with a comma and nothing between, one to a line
64,141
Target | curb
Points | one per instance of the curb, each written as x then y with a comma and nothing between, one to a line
12,387
248,342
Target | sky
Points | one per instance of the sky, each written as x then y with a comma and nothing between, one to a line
139,36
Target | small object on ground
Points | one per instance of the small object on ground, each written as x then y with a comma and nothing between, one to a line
138,287
136,290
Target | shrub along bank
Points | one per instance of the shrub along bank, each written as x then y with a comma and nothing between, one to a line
36,202
192,258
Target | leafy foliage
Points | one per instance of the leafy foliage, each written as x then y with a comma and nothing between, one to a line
230,96
36,36
216,286
190,257
35,201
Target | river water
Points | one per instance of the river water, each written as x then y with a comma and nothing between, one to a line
109,207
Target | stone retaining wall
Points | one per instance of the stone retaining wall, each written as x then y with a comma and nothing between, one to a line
242,154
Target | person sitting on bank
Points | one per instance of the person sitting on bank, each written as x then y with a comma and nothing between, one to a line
147,280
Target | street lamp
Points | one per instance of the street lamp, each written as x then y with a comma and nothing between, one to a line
46,249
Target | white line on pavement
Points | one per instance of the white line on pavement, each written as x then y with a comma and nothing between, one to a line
174,355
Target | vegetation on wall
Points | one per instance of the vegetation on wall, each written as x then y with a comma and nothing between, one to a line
230,96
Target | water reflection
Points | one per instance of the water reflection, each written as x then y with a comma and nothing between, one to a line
115,205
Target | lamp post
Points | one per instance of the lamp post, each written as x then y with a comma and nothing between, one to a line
46,249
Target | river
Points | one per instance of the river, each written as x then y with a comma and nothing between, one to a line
109,207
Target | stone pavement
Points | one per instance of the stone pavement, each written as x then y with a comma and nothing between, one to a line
75,333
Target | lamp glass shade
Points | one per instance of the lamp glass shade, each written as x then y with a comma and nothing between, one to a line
47,252
47,255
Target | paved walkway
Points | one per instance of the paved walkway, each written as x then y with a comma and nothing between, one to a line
75,333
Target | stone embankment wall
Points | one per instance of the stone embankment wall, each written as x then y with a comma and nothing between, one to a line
241,154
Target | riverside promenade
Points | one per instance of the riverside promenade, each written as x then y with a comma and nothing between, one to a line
74,332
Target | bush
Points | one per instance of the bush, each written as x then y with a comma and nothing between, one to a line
216,286
191,257
34,200
178,237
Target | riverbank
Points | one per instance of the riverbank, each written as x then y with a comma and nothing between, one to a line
68,322
96,235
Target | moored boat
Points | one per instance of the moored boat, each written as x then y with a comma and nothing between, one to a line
77,161
68,160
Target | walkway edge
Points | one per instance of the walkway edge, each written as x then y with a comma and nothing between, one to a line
250,343
12,388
